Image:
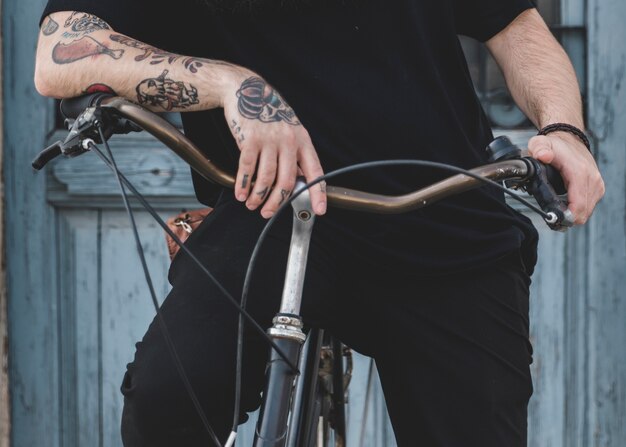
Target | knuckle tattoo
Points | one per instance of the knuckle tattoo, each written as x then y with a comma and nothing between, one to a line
284,195
262,193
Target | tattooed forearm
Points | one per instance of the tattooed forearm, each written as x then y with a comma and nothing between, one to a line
79,49
158,56
49,27
258,100
81,22
166,93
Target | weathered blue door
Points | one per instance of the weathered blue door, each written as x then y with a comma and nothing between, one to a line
78,303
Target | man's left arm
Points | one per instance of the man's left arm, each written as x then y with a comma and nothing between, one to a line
543,83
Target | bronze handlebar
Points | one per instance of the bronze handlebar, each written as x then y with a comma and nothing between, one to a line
345,198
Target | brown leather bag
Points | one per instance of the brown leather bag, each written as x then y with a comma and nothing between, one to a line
182,225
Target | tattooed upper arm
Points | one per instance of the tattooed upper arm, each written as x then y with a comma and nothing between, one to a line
82,22
74,42
49,26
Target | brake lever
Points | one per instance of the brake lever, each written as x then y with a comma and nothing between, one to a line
543,182
83,131
539,186
48,154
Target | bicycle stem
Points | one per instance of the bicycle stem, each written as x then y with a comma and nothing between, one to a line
287,329
303,220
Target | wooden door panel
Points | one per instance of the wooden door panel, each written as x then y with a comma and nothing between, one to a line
105,309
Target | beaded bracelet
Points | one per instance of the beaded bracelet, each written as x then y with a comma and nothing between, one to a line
558,127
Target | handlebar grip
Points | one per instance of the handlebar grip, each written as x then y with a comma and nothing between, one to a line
546,194
73,107
555,179
49,153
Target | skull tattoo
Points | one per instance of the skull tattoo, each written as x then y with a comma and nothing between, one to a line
166,93
258,100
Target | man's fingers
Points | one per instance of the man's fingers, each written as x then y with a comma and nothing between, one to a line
285,181
578,204
247,166
266,174
584,195
312,169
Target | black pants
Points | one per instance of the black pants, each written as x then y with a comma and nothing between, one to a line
452,352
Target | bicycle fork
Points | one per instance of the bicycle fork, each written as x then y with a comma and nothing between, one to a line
286,331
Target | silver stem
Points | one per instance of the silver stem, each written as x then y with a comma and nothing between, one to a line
288,324
303,219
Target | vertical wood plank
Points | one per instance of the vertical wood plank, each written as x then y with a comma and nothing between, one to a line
126,304
575,339
78,290
376,426
546,422
5,408
606,304
31,285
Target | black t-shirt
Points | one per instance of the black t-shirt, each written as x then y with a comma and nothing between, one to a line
370,80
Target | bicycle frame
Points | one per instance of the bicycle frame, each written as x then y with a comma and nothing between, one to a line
286,331
272,427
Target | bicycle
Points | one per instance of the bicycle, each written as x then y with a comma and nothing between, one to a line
295,397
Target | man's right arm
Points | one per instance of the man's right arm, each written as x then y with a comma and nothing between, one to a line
78,52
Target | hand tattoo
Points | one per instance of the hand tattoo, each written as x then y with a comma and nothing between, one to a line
166,93
158,56
244,182
258,100
49,27
85,23
236,129
79,49
263,192
284,193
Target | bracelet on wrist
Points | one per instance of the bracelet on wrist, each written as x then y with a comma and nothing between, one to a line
563,127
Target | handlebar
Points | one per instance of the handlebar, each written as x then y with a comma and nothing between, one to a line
515,170
340,197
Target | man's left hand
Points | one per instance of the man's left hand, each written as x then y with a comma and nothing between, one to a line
580,173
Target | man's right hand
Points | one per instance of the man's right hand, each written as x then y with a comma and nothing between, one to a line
275,147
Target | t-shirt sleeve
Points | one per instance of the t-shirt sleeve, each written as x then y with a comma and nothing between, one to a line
119,14
483,19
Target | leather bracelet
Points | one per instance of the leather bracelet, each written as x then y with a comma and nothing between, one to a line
563,127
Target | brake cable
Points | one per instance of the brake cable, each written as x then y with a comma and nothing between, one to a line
348,169
243,315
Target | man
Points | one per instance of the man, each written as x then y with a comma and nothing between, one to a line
438,297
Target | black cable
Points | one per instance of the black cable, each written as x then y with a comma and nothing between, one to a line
253,260
193,257
166,335
287,203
